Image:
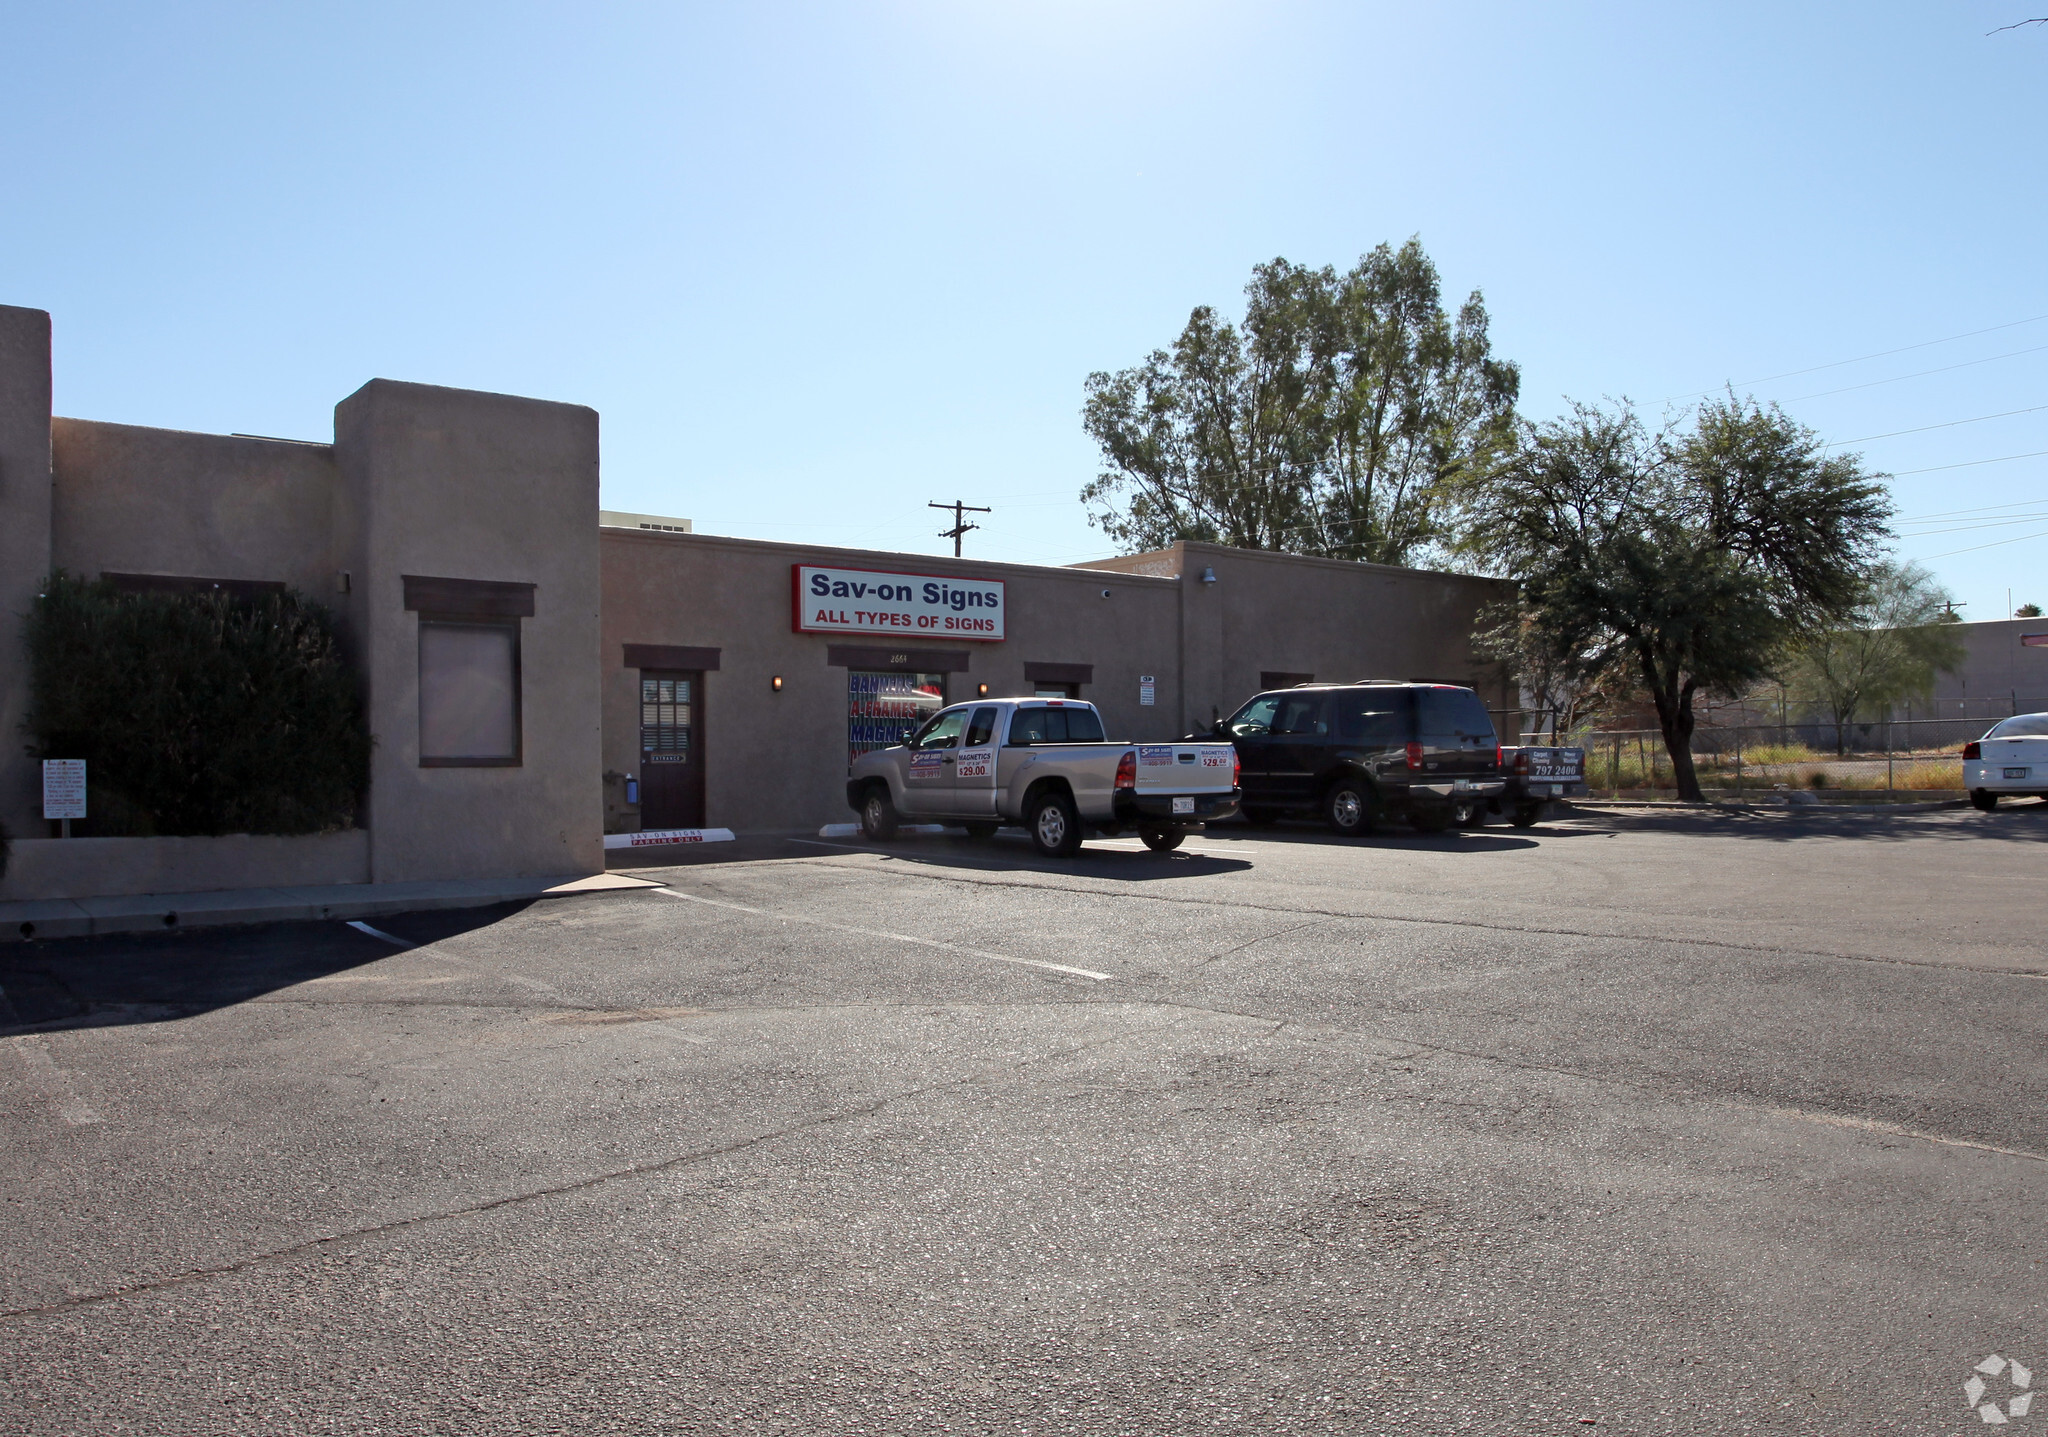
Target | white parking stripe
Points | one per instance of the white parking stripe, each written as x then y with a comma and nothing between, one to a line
892,937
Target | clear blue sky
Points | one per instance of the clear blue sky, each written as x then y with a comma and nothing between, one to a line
817,265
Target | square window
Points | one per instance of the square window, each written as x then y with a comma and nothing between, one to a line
469,694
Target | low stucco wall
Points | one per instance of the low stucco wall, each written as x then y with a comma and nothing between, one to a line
43,868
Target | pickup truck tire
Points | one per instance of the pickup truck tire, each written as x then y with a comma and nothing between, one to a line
1526,814
1350,807
980,831
1055,826
1162,840
878,818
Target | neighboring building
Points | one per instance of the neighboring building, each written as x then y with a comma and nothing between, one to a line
538,672
2004,671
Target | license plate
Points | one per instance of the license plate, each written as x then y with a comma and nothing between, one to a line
1461,785
2015,773
1183,805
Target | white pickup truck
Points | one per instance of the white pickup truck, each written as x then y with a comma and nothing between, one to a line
1042,763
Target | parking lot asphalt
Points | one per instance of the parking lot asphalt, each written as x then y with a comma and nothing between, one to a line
1634,1121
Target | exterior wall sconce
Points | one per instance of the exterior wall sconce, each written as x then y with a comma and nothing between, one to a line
1208,576
776,683
981,691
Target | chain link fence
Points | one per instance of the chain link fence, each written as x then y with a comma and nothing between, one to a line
1922,756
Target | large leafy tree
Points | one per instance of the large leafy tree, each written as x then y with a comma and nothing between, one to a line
1335,420
1889,647
1694,555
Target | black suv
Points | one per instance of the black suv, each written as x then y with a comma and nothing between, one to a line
1360,753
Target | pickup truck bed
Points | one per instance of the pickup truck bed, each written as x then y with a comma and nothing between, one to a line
1042,763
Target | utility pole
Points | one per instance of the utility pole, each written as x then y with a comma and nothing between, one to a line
960,525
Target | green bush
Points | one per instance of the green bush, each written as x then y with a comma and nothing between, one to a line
197,713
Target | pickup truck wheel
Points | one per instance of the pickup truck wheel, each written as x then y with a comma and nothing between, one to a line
980,830
1162,840
1433,820
878,818
1526,814
1350,808
1055,826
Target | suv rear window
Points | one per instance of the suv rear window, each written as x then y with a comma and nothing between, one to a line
1452,714
1056,726
1374,717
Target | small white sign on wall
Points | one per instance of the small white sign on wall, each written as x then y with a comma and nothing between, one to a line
1147,687
63,788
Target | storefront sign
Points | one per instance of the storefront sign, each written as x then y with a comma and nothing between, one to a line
660,837
63,788
860,601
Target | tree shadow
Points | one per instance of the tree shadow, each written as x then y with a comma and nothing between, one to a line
2022,821
161,977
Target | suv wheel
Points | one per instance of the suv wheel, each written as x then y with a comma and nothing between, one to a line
878,818
1055,826
1349,807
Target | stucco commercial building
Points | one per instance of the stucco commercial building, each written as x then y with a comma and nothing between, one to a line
535,678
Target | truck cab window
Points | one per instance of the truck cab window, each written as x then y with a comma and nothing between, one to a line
943,731
982,728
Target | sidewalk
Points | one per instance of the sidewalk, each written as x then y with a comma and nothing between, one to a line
153,912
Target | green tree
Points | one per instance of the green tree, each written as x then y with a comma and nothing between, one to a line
197,713
1889,647
1333,421
1694,556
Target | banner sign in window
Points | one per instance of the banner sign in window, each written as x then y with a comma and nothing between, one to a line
862,601
885,709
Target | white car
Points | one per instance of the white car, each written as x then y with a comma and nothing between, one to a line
2011,761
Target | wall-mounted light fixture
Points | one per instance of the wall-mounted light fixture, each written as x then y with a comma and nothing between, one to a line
776,683
981,691
1208,576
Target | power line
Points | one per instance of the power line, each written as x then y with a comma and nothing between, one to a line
2007,414
1972,464
2043,534
1922,374
1859,359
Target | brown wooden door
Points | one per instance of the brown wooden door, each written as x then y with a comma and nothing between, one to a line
671,749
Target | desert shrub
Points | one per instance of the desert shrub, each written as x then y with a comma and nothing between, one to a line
197,713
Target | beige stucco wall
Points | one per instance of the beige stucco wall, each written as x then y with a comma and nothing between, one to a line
778,760
1338,620
109,867
133,500
24,543
450,483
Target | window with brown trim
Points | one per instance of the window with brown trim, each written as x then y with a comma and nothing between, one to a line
469,693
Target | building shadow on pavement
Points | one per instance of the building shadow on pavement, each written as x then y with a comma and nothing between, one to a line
161,977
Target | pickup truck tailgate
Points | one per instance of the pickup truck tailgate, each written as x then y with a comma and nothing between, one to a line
1186,768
